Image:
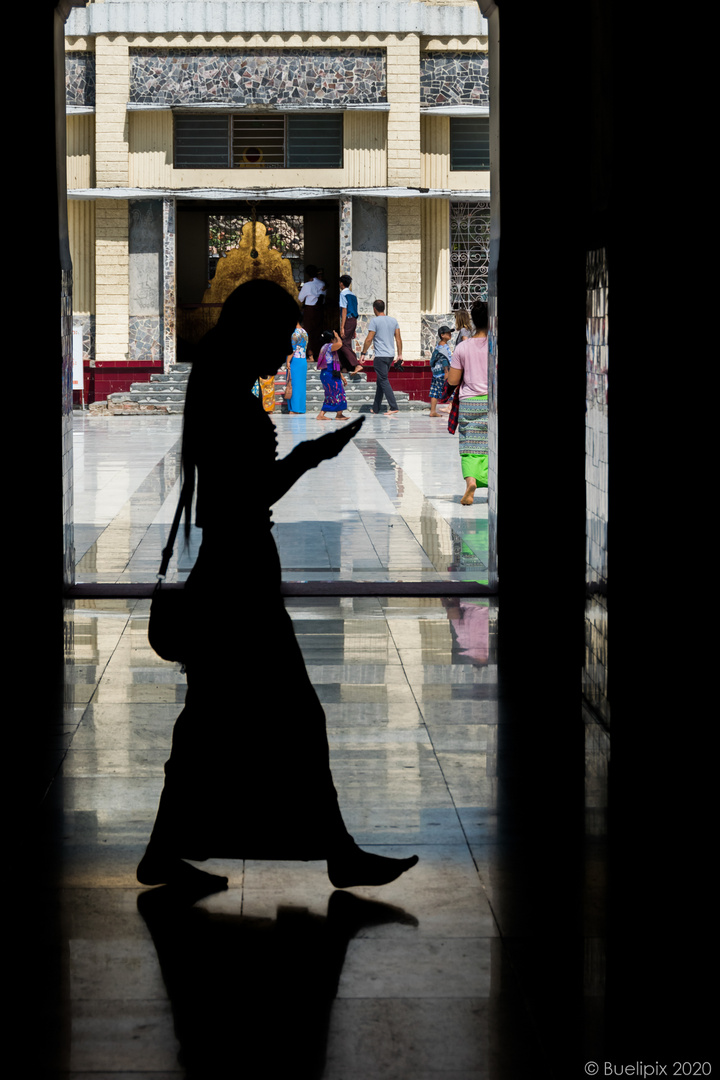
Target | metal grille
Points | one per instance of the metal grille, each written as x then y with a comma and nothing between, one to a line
266,141
469,253
258,142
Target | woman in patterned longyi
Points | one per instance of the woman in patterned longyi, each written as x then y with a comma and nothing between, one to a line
469,371
332,377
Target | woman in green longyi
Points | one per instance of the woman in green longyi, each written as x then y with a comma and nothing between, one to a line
468,370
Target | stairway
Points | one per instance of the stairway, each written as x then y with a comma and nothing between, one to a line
165,395
360,395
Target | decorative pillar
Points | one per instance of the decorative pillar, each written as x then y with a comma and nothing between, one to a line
404,259
169,286
112,170
112,265
346,237
403,270
403,130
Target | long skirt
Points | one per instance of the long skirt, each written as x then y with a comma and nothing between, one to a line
335,400
249,772
298,378
473,436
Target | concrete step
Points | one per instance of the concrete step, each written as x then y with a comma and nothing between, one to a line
162,388
165,394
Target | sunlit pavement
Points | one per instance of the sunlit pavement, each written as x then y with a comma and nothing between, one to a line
386,509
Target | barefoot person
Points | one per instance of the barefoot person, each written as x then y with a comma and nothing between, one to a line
384,336
297,371
249,775
312,301
468,370
439,363
332,377
348,324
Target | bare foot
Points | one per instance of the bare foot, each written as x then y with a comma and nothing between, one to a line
469,496
358,867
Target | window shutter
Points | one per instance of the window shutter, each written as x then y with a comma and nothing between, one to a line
201,142
315,141
258,142
469,143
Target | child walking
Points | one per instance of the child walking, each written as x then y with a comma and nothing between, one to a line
439,363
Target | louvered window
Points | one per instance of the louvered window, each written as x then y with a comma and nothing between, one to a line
258,142
249,141
201,142
315,141
469,143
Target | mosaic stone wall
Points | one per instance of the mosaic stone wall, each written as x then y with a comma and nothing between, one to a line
145,338
454,78
87,325
429,332
346,236
282,77
80,78
595,672
169,227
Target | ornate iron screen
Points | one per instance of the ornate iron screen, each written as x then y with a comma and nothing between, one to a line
469,253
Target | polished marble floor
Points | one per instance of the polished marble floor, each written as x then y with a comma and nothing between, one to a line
387,509
469,967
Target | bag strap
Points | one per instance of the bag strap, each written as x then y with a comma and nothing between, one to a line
168,549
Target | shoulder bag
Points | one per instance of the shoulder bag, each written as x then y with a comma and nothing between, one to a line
169,626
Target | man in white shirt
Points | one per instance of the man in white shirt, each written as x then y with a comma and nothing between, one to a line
312,300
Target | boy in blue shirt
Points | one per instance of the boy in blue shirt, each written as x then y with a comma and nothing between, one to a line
348,323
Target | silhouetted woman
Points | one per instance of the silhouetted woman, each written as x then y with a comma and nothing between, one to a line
248,777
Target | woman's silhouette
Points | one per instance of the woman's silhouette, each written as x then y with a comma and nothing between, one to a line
249,772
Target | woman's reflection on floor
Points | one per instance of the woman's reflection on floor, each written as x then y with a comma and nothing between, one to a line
470,623
252,996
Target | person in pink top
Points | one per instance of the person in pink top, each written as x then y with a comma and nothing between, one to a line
469,370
